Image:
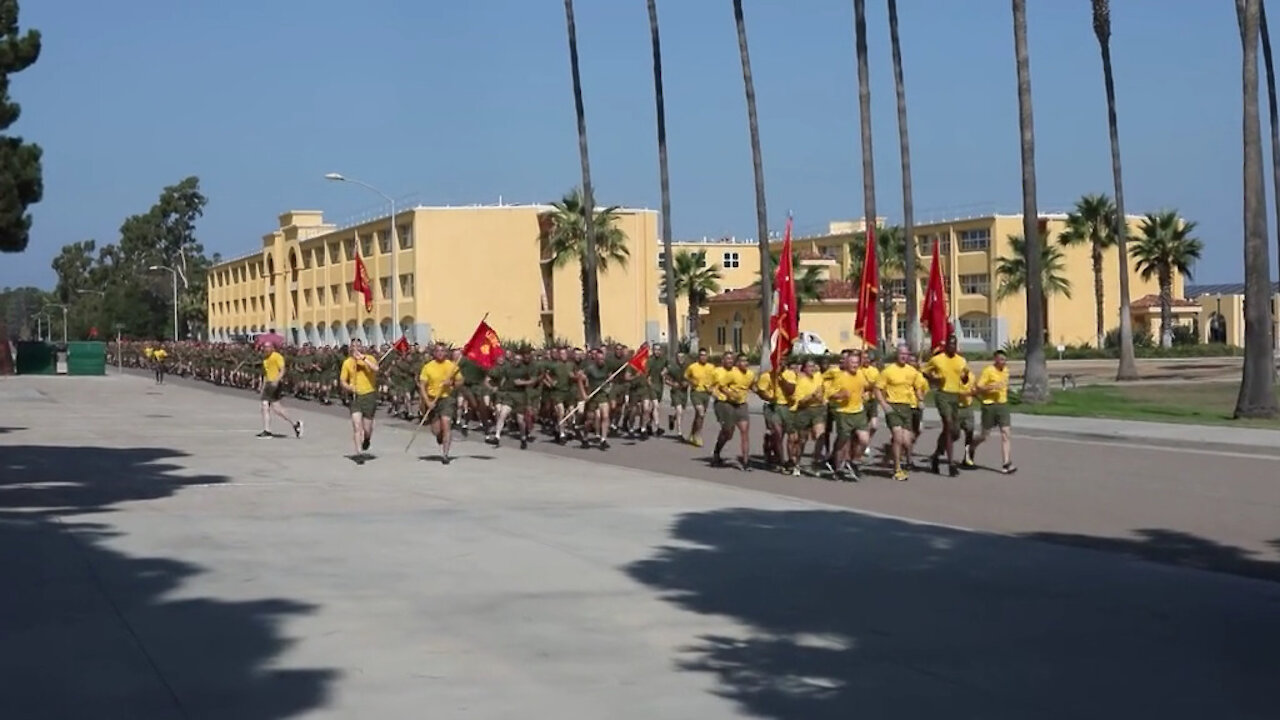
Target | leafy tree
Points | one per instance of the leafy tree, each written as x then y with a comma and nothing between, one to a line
696,280
1092,224
808,278
1164,246
74,267
21,180
566,242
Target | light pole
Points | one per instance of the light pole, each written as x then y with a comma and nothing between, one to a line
174,273
395,244
64,321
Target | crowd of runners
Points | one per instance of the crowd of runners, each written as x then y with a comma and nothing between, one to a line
824,409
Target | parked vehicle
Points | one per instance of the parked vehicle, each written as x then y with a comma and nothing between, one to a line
809,344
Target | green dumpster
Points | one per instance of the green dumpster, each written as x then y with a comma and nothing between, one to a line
35,358
87,358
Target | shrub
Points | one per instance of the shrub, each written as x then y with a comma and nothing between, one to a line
1141,339
1183,336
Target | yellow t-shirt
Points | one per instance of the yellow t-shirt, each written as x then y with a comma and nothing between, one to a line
991,376
735,384
272,367
764,387
360,376
900,383
718,380
948,370
869,373
828,379
160,354
436,373
148,352
805,386
854,384
700,376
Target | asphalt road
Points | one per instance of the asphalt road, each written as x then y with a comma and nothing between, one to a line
1197,505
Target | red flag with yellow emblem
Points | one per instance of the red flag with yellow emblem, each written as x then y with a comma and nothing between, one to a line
484,348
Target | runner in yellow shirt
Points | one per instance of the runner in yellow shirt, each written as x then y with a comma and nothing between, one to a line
846,397
808,415
831,369
993,392
359,378
900,389
870,373
272,375
701,375
964,417
439,377
946,370
766,390
733,385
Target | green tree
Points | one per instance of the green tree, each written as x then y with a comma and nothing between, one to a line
1165,246
74,266
891,252
590,278
757,167
21,179
696,280
1035,381
1092,224
567,240
1011,273
1128,367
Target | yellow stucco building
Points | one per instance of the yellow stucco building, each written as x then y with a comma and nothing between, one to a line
454,266
1218,312
970,249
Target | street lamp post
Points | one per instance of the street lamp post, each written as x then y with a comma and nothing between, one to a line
395,243
64,321
174,273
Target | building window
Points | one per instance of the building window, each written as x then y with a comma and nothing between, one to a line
366,245
975,327
335,292
404,236
351,291
306,297
662,260
721,333
406,285
729,260
975,284
384,286
349,246
924,244
897,287
900,329
319,253
384,241
334,257
974,240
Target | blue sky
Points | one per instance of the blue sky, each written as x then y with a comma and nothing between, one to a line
463,102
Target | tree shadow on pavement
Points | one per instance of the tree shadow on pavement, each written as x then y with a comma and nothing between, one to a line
827,614
89,632
1174,547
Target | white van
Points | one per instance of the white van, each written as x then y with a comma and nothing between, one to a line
809,344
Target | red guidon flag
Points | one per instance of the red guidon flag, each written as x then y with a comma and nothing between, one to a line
784,325
933,313
402,346
362,285
866,322
640,359
483,348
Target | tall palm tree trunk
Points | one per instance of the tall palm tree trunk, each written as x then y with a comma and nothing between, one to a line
590,280
1257,380
1274,116
757,165
908,202
1099,317
664,182
1166,308
868,161
1035,381
1128,369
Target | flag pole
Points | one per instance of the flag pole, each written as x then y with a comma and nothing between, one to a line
583,403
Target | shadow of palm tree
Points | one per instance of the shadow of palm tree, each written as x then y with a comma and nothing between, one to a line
87,631
838,615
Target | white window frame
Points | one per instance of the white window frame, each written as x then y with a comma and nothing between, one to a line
730,259
979,282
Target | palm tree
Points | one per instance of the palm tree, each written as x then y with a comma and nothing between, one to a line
908,203
1257,396
1128,369
1035,380
590,287
1093,224
694,279
664,181
808,278
1012,275
757,166
864,119
566,241
1274,116
1165,246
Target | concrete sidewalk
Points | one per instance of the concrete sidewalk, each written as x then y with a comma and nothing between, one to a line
161,562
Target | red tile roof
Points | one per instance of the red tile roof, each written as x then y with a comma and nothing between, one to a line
1153,301
831,290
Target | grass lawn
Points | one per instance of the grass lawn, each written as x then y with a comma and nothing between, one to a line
1203,403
